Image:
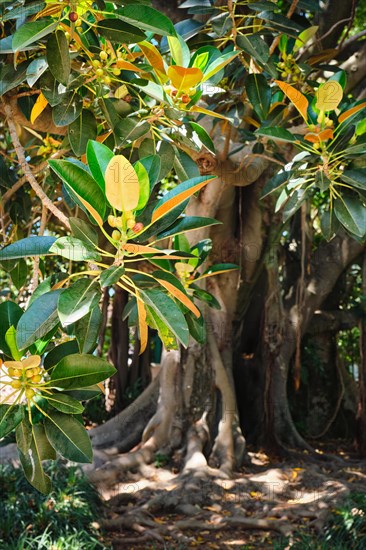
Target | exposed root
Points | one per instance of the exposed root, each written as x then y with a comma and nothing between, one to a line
243,523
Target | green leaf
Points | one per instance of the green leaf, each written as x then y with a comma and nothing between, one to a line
188,223
31,246
206,297
74,249
218,64
304,37
85,187
118,31
203,136
81,131
179,50
10,339
166,153
111,275
31,32
219,268
144,184
85,394
152,165
10,313
19,274
329,225
294,203
87,330
68,109
84,231
65,403
280,22
59,352
275,183
147,18
77,300
23,434
10,417
352,214
38,320
11,78
69,437
98,156
35,70
58,57
197,327
255,46
276,133
259,94
356,178
169,313
31,461
80,371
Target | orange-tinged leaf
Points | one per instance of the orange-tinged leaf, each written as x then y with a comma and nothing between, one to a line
153,56
351,112
100,139
184,78
296,98
101,387
122,184
326,134
313,138
127,66
53,9
325,55
177,199
38,107
90,209
180,296
204,111
250,120
143,329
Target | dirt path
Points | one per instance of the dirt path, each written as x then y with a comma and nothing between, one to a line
263,504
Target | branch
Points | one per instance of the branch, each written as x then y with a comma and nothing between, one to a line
46,201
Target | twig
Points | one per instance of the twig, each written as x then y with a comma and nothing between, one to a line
46,201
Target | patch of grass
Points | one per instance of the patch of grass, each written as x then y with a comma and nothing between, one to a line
345,529
63,520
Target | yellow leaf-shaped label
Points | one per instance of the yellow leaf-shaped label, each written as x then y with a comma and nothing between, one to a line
38,107
121,184
328,96
296,98
184,78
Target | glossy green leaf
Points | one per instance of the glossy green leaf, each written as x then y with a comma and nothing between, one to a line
255,46
147,18
38,320
144,184
206,297
31,246
69,437
98,156
111,275
197,327
87,330
10,77
68,109
65,403
80,371
19,274
77,300
83,129
74,249
356,178
276,133
10,417
11,342
166,153
187,223
31,32
218,64
168,312
58,56
10,313
40,449
82,183
116,30
23,434
35,70
352,214
59,352
84,231
152,164
203,136
259,94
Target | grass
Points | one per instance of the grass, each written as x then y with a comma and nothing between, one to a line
345,529
66,519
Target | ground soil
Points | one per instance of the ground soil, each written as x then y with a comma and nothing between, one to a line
261,506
